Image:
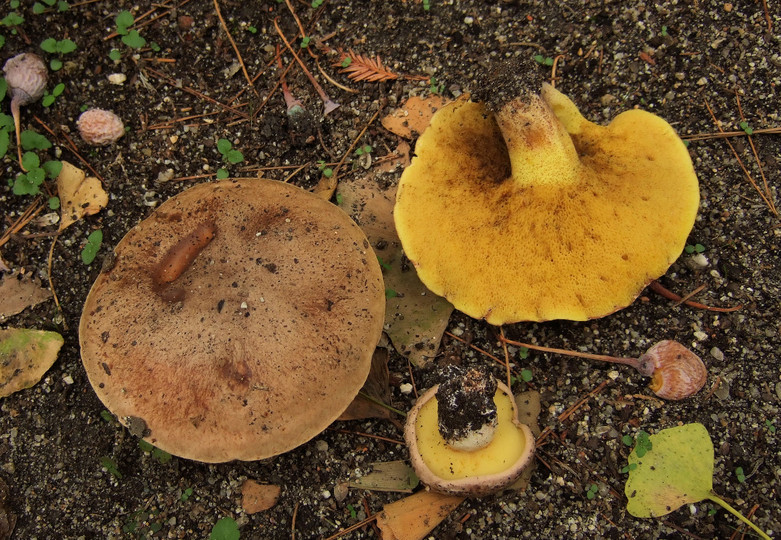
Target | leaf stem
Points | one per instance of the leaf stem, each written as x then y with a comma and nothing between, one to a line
721,502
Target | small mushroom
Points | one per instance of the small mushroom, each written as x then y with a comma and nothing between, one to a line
26,76
236,322
99,127
464,436
534,213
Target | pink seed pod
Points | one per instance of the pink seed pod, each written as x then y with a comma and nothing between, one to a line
99,127
26,75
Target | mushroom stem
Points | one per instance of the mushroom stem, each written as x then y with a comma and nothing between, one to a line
466,414
537,141
16,114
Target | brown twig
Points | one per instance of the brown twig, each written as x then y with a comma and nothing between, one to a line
768,191
49,264
293,522
553,69
740,162
369,435
728,134
72,147
168,80
663,291
328,104
355,527
233,44
506,357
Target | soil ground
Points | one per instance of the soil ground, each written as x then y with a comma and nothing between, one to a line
672,58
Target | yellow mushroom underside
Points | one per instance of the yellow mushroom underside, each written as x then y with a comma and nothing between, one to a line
448,463
521,245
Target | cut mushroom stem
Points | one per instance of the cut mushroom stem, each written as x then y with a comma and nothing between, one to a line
467,413
676,372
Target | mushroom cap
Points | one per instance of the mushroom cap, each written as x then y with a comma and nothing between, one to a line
100,127
26,75
236,322
536,213
469,473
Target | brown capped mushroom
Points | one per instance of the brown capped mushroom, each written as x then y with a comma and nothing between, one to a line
464,437
236,322
535,213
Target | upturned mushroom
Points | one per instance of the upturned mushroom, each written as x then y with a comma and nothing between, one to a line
464,437
236,322
534,213
26,76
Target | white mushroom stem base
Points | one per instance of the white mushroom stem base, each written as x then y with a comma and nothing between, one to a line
470,473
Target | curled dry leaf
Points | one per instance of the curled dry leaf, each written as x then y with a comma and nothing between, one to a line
415,318
79,196
18,292
413,116
25,355
257,497
414,517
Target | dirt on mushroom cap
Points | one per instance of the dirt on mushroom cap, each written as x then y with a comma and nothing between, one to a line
510,245
262,340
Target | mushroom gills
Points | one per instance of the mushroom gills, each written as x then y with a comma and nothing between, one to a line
504,450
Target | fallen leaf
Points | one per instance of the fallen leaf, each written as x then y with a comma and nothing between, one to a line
18,292
415,318
388,476
377,386
414,517
257,497
25,355
414,115
79,196
398,158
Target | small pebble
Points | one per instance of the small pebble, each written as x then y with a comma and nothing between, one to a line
117,78
321,445
716,353
405,388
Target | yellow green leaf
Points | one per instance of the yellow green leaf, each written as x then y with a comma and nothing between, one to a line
25,355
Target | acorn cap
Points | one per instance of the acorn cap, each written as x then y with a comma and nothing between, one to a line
236,322
535,213
475,473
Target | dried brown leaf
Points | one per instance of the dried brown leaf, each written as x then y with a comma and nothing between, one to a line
18,292
257,497
415,516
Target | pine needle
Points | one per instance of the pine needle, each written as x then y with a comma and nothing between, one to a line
362,68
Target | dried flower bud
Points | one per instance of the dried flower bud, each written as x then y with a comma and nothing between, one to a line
26,75
99,127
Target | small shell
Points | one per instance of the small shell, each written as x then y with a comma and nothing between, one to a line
99,127
26,75
677,372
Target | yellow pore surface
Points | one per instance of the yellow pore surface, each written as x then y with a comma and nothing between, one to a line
550,219
445,462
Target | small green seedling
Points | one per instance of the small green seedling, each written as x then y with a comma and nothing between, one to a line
43,5
696,248
543,60
383,264
111,466
131,38
160,455
229,154
324,169
434,86
48,99
771,427
390,293
63,46
225,529
592,491
664,31
186,494
90,251
741,476
353,513
12,20
677,470
317,3
745,127
305,41
365,149
426,5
